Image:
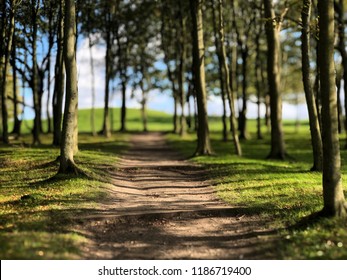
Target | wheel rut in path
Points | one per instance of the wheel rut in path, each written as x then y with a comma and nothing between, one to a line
161,206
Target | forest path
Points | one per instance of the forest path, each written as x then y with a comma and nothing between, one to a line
161,206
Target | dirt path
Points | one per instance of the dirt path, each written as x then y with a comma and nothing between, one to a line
163,207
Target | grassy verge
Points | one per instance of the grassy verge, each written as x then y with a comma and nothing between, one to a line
283,191
37,212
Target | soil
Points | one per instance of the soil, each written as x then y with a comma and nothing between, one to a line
161,206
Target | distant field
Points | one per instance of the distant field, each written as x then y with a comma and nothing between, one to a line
157,121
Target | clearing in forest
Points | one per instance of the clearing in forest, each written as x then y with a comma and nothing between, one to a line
161,206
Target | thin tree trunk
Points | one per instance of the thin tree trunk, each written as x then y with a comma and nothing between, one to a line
333,197
273,27
51,43
243,112
92,115
229,91
181,72
258,85
17,122
6,60
203,145
35,88
59,82
220,72
106,121
316,139
68,146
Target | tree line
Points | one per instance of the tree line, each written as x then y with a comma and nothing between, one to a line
229,48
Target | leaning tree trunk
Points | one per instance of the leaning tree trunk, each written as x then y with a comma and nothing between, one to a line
203,145
334,200
316,138
68,145
273,27
16,122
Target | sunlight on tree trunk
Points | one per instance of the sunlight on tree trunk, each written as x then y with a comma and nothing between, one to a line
334,200
68,145
203,145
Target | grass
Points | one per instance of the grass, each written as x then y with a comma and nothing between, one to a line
37,214
157,121
282,191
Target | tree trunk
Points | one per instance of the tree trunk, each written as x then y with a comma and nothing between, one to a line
106,121
243,112
67,164
35,88
258,84
273,27
316,138
92,115
229,91
334,200
59,82
203,145
17,122
340,9
181,71
51,43
220,72
6,61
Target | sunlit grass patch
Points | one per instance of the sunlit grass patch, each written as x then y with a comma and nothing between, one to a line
38,209
285,192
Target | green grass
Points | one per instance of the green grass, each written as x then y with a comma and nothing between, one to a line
157,121
41,226
37,212
282,191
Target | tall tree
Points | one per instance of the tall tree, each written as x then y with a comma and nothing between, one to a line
340,10
225,71
316,138
59,84
69,139
334,200
203,145
4,67
273,28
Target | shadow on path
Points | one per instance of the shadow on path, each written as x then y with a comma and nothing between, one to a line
161,206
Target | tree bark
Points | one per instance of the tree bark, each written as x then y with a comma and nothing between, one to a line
203,145
59,82
340,9
258,84
333,197
273,27
106,130
17,122
316,138
229,91
68,145
181,71
220,72
92,114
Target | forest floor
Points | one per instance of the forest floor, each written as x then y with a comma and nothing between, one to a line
162,206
